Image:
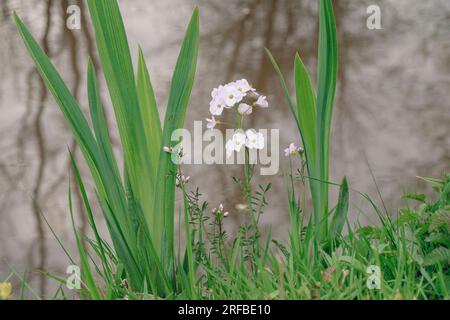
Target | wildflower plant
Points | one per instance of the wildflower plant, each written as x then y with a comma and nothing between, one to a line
242,99
292,150
313,115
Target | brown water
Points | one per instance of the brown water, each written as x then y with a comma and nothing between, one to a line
392,108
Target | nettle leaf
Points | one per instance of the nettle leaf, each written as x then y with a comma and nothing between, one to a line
407,216
414,196
438,220
438,238
282,248
353,262
438,255
369,232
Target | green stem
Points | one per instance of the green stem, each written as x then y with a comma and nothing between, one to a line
248,195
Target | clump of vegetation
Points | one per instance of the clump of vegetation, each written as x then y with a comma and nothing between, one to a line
138,203
407,257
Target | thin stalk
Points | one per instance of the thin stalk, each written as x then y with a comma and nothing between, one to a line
249,199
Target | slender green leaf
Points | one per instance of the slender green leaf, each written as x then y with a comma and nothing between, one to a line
284,86
87,272
80,184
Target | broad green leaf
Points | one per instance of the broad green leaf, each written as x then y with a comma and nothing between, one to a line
149,111
117,66
306,113
305,121
100,171
181,86
69,106
109,171
306,106
326,86
314,115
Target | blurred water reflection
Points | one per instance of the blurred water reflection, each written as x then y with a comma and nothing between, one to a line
392,109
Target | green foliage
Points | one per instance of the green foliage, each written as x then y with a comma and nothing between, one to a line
318,262
429,225
139,214
411,268
313,114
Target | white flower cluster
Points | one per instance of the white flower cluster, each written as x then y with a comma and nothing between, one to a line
232,94
250,139
241,94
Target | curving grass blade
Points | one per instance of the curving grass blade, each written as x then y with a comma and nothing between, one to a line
313,113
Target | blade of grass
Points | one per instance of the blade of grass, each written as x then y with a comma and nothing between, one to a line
80,184
56,237
283,86
24,283
93,290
